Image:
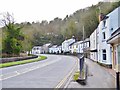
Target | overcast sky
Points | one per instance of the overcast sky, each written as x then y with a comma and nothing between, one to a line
38,10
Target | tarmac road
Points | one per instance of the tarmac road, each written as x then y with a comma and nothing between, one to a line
42,74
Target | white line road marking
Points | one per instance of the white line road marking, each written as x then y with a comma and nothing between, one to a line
63,81
16,73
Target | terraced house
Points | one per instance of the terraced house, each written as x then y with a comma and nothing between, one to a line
66,44
107,42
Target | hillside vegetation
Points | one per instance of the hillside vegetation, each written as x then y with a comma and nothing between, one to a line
57,30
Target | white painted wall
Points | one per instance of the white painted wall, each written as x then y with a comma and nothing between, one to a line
114,20
55,49
93,45
66,43
102,44
37,50
112,24
78,47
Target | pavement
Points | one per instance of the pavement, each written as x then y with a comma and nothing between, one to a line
111,71
98,77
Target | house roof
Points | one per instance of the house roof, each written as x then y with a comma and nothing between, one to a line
71,44
37,47
87,39
69,40
47,44
54,46
60,46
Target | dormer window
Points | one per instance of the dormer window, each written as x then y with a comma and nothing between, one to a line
111,28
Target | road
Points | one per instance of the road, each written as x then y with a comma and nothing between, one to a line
42,74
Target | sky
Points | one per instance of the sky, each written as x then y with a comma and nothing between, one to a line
38,10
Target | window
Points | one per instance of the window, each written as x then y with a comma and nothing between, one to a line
76,46
103,35
37,48
104,54
104,23
111,29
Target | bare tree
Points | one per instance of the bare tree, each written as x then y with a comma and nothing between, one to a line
5,19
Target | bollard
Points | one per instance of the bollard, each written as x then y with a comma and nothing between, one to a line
117,81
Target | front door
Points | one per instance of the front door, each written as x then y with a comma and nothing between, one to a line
115,59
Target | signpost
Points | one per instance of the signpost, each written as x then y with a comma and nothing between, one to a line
81,61
81,65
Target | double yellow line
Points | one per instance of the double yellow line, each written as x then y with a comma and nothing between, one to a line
66,77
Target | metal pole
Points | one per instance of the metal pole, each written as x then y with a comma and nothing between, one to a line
82,58
83,40
117,81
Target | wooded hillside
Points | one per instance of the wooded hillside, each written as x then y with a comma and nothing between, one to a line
57,30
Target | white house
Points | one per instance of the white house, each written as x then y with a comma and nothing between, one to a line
75,47
80,46
55,49
83,46
104,49
46,47
93,46
37,50
65,45
72,48
59,50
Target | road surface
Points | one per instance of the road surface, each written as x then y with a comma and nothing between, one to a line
42,74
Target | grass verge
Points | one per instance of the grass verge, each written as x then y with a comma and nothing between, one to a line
77,75
2,65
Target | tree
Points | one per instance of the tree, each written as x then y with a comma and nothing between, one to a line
14,37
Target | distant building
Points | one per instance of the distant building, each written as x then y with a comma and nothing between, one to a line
86,47
59,50
80,46
46,47
36,50
73,47
55,49
66,44
76,47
